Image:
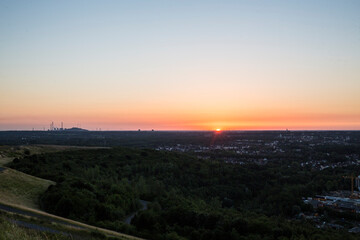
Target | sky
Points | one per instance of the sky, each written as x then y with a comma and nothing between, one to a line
180,65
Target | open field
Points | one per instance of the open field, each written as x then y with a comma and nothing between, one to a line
21,189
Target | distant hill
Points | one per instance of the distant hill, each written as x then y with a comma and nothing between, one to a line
75,129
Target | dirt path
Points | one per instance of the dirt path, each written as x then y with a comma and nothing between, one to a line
131,216
38,227
10,209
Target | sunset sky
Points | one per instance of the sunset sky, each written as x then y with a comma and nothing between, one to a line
180,65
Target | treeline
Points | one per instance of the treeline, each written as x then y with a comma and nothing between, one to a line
149,139
190,198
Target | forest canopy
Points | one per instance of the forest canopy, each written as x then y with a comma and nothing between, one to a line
190,198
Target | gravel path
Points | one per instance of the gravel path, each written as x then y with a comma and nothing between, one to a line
38,227
39,216
131,216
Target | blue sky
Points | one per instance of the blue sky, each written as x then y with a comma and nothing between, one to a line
210,62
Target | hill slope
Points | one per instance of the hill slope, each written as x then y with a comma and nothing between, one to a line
22,189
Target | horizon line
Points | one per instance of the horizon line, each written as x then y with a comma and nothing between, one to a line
185,130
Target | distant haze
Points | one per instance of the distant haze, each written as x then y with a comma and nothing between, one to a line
180,65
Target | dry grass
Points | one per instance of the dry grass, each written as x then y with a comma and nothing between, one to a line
72,222
5,160
21,189
9,231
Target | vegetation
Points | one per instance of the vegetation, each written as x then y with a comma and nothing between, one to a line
190,198
157,138
8,153
41,225
21,189
10,231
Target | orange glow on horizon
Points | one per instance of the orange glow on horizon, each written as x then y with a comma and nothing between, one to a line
165,75
170,120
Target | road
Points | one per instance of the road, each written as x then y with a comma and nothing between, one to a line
7,208
131,216
38,227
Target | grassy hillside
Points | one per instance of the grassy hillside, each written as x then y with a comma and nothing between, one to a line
10,231
5,160
45,222
21,189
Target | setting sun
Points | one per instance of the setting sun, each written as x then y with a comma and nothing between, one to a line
168,74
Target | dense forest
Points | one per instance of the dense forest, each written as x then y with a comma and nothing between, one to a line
190,198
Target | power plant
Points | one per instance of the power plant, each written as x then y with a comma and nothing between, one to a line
53,128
